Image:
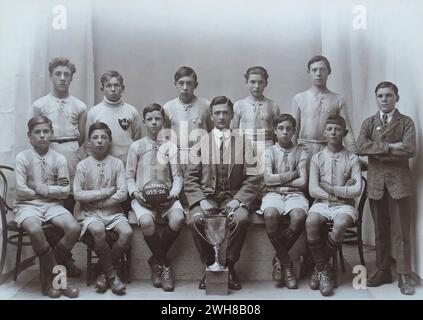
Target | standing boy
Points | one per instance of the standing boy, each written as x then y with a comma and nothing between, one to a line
120,117
335,181
152,157
100,186
42,181
311,108
187,113
256,112
389,140
285,178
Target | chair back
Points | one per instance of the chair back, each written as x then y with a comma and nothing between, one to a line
5,208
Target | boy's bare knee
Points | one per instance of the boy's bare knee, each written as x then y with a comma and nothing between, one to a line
271,214
147,224
97,231
297,216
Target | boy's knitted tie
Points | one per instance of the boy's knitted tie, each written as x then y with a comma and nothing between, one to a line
385,120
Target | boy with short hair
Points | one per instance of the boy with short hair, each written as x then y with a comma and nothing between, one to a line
100,187
42,181
312,107
335,181
187,112
152,157
121,117
389,140
68,115
285,178
256,111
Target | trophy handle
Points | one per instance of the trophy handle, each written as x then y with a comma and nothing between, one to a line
237,223
200,233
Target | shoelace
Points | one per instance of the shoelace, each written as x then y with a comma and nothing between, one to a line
325,276
316,274
166,273
289,273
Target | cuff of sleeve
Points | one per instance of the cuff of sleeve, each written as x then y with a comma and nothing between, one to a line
338,191
42,189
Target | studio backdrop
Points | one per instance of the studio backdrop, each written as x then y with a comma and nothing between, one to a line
146,41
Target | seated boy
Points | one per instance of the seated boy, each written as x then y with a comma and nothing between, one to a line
100,187
148,159
335,180
285,178
42,182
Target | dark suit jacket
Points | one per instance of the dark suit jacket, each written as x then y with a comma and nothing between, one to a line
386,168
200,177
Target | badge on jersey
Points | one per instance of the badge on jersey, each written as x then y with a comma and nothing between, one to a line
124,123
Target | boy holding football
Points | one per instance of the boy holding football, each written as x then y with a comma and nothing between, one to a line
150,159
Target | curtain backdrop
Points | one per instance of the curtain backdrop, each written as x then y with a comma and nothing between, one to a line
28,42
148,40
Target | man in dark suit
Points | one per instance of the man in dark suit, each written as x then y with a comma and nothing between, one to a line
389,139
221,175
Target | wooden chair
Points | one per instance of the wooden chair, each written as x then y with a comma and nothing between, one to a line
352,236
14,235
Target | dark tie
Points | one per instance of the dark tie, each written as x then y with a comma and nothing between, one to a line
385,120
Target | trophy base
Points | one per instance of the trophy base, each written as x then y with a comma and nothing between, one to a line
217,282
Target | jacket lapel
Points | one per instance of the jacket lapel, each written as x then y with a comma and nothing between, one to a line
394,122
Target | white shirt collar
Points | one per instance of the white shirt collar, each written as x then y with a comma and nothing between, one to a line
390,115
225,133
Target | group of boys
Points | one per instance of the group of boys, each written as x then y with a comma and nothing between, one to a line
216,168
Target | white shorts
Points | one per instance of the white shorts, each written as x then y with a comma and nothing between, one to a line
44,212
284,203
109,222
331,212
141,211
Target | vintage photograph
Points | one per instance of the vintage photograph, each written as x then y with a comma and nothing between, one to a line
214,150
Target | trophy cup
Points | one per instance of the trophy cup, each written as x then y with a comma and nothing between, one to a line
216,230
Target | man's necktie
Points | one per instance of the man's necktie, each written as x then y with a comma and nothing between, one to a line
385,120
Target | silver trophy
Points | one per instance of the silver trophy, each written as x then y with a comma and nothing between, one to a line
216,230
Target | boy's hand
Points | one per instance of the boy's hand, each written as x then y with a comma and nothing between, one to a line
138,196
351,182
169,201
108,192
31,185
396,145
63,182
232,205
206,206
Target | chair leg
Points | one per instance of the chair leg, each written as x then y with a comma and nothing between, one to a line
89,265
128,266
360,246
18,255
335,270
341,258
3,252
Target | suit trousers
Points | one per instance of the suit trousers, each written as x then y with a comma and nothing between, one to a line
392,219
235,242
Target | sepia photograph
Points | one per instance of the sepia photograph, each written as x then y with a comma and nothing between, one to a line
229,152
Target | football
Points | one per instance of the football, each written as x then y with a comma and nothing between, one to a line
155,192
